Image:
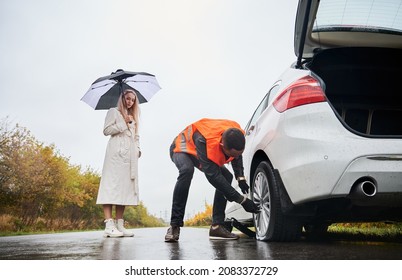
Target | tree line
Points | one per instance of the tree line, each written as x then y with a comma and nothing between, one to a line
40,190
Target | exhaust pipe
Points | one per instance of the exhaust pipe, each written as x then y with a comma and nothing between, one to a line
366,188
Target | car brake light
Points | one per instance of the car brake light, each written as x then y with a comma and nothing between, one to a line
304,91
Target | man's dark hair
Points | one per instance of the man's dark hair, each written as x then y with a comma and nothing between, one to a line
233,138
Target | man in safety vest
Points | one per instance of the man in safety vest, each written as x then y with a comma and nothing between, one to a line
208,144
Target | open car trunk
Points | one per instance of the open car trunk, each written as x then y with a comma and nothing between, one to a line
364,85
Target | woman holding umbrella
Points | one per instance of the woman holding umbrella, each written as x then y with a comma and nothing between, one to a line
119,181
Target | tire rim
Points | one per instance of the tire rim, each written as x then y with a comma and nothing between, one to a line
261,197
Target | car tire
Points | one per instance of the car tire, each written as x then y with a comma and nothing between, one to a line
271,224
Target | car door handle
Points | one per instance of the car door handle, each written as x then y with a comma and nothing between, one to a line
250,130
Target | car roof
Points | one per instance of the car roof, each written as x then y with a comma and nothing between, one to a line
324,24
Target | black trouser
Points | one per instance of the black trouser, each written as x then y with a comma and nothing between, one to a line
185,163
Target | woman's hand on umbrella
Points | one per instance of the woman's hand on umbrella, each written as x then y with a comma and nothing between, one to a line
129,119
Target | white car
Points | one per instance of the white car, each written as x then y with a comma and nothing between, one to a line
325,143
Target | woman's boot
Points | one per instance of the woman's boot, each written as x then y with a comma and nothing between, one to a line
111,230
120,227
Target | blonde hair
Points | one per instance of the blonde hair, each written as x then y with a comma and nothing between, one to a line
134,111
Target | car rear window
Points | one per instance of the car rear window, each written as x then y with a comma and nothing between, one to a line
383,16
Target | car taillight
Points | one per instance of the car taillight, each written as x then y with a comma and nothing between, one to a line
306,90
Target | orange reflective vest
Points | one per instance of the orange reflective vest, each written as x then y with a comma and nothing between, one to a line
212,130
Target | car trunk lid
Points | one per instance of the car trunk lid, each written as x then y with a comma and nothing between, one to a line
325,24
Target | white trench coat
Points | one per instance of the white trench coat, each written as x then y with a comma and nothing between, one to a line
119,181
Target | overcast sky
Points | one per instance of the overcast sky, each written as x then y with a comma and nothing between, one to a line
212,58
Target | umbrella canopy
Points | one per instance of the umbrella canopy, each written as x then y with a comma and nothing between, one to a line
105,91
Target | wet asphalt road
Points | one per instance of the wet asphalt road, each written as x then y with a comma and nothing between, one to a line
194,244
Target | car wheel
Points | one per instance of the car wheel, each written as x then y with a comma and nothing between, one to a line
271,224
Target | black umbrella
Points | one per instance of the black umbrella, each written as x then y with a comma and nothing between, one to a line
105,91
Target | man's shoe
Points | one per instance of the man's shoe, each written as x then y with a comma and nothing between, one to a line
173,234
220,232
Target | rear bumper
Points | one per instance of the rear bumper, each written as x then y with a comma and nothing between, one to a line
319,159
